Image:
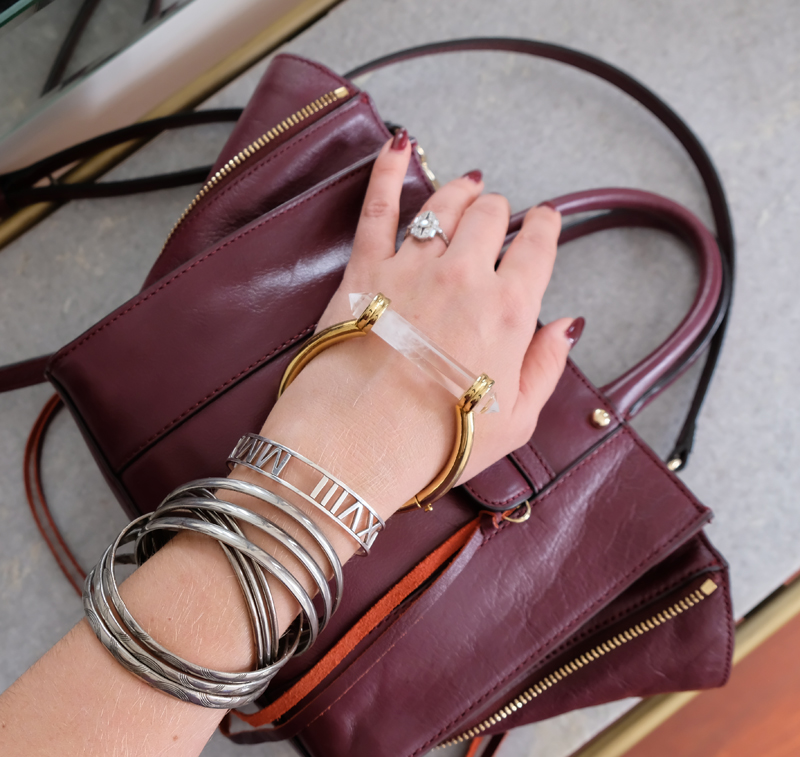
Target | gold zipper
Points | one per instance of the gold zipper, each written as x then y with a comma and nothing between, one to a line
541,686
423,161
300,115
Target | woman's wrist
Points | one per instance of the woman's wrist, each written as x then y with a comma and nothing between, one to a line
364,412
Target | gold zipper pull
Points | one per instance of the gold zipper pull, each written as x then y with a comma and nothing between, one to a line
423,159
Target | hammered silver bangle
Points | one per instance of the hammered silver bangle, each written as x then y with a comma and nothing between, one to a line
198,507
330,495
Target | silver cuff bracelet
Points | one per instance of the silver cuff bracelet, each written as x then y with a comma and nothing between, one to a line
330,495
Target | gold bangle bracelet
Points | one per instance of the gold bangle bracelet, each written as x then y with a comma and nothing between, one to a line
465,423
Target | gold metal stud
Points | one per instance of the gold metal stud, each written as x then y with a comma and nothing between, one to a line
600,418
674,464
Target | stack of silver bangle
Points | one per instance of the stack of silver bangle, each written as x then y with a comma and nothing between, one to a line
200,507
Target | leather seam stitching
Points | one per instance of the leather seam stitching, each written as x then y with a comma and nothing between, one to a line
619,617
547,468
330,74
213,392
616,617
659,466
189,267
483,499
529,470
731,636
604,400
185,270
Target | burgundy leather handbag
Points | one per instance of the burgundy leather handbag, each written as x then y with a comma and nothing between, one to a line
573,572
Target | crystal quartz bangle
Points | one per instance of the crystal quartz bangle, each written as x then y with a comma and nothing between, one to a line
411,342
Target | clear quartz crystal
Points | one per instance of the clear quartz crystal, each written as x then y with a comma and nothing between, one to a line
411,342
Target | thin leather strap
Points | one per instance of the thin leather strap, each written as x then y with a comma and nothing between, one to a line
37,501
17,190
154,9
18,187
94,190
715,330
626,392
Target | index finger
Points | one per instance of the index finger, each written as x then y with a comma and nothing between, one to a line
380,213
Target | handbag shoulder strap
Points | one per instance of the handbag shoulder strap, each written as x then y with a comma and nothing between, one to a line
19,188
713,336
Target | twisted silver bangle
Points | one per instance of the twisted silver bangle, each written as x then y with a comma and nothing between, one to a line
196,507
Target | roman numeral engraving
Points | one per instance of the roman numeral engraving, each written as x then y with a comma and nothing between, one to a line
370,533
332,489
257,452
371,525
357,509
354,515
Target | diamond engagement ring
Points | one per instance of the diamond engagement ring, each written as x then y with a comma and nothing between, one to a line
426,226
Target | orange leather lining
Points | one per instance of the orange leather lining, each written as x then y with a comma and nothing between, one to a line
410,582
474,745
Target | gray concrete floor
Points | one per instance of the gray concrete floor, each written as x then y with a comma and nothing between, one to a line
536,129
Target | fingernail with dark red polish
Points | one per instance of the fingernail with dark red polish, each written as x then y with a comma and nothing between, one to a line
400,140
476,176
573,333
548,205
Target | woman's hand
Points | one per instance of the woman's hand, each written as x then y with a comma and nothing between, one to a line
370,416
360,410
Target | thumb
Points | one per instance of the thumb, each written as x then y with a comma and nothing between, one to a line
542,367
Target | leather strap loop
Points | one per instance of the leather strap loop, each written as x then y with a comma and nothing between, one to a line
38,502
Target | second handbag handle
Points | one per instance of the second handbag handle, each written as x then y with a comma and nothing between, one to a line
625,207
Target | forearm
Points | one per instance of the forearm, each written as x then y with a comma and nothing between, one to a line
78,700
187,596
